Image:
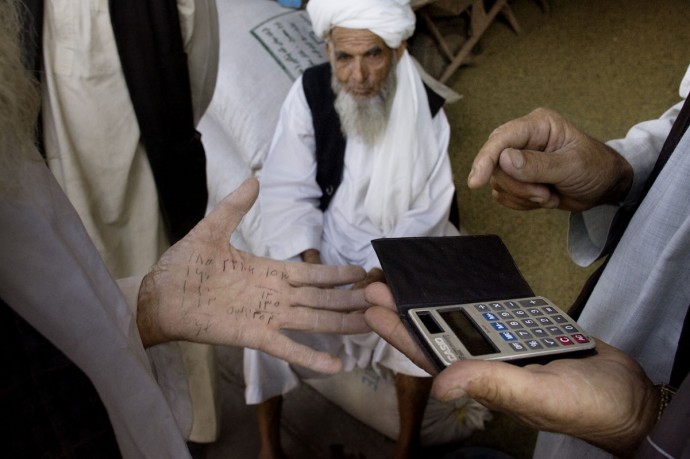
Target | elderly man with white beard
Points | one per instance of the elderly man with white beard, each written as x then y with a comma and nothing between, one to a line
359,153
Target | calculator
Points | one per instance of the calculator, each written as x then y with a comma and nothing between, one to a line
519,330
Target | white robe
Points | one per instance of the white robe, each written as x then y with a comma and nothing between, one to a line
642,297
292,223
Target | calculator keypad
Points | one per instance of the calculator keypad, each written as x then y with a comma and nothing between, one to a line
511,330
531,324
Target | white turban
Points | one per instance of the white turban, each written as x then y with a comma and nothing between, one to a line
403,156
392,20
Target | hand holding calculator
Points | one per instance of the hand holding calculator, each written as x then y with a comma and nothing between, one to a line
463,297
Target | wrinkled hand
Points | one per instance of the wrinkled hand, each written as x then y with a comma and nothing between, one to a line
543,161
204,290
605,399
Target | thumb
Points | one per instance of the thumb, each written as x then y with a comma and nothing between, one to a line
230,211
532,166
539,172
488,382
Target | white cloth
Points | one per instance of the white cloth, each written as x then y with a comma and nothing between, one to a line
91,132
640,301
401,165
392,20
53,276
292,223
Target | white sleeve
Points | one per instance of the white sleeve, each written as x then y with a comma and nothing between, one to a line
53,276
289,198
588,231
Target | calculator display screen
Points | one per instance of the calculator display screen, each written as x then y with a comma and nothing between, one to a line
469,334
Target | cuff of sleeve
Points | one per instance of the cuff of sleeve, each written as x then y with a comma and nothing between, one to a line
639,161
130,289
588,232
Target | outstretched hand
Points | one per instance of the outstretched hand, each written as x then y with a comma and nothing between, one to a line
605,399
543,161
205,290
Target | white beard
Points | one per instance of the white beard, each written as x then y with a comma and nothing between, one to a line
365,118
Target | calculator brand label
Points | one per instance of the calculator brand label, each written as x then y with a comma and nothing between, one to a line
445,349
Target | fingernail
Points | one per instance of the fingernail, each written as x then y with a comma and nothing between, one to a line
537,200
517,158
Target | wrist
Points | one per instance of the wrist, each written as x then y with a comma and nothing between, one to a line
147,311
622,184
641,424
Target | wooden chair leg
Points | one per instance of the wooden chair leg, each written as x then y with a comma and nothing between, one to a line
480,21
440,41
512,20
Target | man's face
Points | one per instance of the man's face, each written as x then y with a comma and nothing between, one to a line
360,60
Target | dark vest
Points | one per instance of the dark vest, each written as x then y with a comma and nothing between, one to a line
330,142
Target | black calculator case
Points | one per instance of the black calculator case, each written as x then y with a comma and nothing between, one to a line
439,271
436,271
